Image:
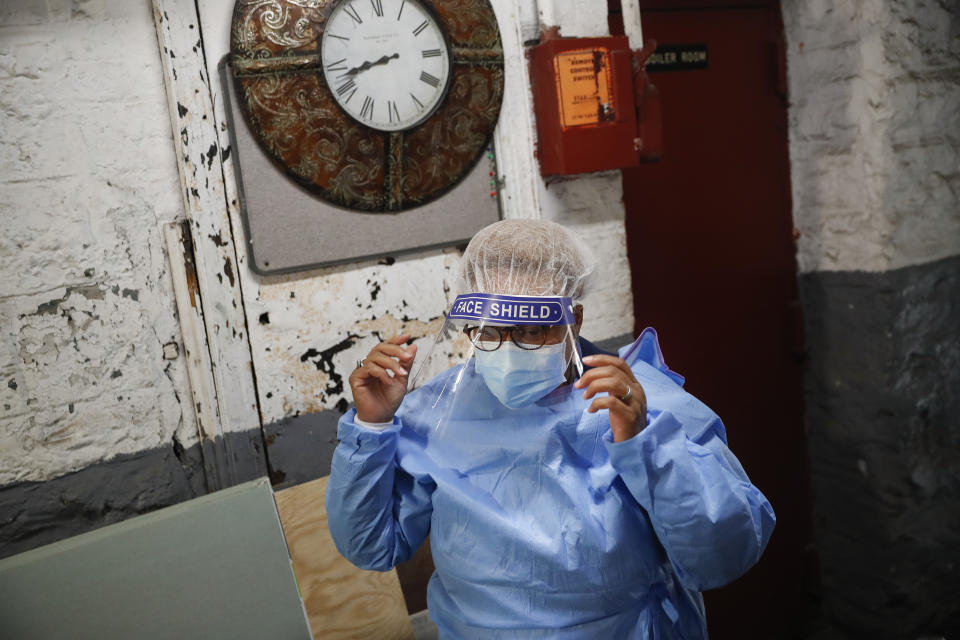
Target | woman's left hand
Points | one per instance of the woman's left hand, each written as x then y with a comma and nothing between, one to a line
626,400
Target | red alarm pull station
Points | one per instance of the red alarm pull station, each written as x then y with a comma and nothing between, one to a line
586,93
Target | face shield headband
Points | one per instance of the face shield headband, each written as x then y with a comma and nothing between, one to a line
489,308
497,353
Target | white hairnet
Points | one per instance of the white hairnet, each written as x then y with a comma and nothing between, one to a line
526,258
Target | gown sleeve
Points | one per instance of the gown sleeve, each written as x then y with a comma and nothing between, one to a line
377,513
711,520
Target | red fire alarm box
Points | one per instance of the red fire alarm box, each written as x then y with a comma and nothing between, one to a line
586,93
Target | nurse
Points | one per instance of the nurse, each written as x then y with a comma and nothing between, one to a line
568,493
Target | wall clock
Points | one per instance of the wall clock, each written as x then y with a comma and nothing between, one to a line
373,105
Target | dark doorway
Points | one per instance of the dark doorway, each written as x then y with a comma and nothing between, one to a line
709,234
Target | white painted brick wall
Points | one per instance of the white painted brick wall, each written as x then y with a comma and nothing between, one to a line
317,310
87,173
874,131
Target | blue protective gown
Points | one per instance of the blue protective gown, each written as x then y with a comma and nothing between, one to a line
540,525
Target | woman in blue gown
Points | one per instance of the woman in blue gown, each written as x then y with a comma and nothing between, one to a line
568,493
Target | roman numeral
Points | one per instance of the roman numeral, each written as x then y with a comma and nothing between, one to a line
429,79
399,13
353,13
431,53
417,102
420,28
346,86
377,7
392,111
337,65
366,112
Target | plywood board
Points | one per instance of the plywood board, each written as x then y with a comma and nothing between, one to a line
342,601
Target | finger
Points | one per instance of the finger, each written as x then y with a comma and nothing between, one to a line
602,372
393,351
400,338
373,370
614,406
616,387
600,359
385,362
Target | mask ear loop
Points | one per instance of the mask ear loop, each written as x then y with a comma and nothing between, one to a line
575,365
577,362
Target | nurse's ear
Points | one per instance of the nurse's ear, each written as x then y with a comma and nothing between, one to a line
578,316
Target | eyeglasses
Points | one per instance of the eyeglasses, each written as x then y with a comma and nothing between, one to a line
528,337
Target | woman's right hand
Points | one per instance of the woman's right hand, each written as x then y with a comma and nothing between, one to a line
376,393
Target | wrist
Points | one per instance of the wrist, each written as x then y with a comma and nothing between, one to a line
373,418
375,426
625,433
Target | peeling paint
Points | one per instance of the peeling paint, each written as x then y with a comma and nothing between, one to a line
171,351
323,361
191,267
228,270
211,154
91,292
87,306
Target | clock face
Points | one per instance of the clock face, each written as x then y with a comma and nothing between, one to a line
386,62
373,105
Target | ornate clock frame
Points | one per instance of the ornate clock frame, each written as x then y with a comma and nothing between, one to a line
276,66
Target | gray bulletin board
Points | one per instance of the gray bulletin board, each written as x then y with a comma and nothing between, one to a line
290,229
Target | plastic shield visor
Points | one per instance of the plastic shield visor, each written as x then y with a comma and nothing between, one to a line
495,354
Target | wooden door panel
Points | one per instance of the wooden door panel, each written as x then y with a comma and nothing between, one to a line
709,235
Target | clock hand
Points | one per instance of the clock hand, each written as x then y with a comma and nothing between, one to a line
366,65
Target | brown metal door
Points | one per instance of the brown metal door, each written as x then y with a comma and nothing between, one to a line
709,233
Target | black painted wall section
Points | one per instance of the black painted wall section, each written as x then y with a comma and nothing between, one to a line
883,415
301,448
33,514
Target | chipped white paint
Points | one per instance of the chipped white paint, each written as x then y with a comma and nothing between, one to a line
515,137
630,10
875,107
183,275
592,205
307,330
198,150
87,170
576,18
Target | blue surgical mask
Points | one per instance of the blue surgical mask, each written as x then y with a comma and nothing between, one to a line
518,377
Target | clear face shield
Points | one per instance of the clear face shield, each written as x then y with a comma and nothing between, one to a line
496,357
